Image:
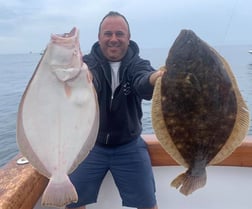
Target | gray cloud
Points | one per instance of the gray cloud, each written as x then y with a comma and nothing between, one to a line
27,25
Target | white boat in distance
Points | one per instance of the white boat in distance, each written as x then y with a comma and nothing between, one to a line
250,51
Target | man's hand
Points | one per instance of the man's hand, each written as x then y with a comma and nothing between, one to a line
156,75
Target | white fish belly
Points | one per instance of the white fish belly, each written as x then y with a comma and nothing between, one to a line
57,125
58,117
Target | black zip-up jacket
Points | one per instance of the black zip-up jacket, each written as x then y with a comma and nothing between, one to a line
121,113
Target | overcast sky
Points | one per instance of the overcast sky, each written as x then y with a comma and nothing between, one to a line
26,25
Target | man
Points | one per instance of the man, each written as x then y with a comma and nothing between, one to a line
122,79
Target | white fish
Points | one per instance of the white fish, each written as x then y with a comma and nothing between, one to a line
58,117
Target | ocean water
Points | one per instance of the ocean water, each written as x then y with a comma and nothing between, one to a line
17,69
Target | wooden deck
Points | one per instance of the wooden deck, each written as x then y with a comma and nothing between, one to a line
21,185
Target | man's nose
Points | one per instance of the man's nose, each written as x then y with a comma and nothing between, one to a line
113,37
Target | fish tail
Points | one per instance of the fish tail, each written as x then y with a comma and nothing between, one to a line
59,194
188,183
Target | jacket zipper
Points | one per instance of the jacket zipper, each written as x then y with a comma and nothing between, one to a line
111,101
110,107
107,139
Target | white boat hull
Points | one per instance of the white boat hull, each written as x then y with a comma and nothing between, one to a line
227,187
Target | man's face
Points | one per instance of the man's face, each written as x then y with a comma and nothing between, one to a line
114,38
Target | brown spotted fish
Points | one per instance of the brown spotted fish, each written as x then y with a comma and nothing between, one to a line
58,117
198,113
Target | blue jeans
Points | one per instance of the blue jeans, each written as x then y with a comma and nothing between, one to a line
130,167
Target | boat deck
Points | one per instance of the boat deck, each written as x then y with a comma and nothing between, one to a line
227,188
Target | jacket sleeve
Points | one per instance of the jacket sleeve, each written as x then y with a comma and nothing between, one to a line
91,63
140,80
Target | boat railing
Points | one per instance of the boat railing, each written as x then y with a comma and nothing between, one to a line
21,185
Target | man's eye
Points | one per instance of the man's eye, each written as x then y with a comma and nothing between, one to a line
108,33
119,34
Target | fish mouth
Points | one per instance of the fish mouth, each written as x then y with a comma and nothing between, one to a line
66,38
72,33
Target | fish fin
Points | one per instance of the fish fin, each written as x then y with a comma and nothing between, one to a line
25,146
65,74
188,183
59,194
68,90
90,141
241,125
159,126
